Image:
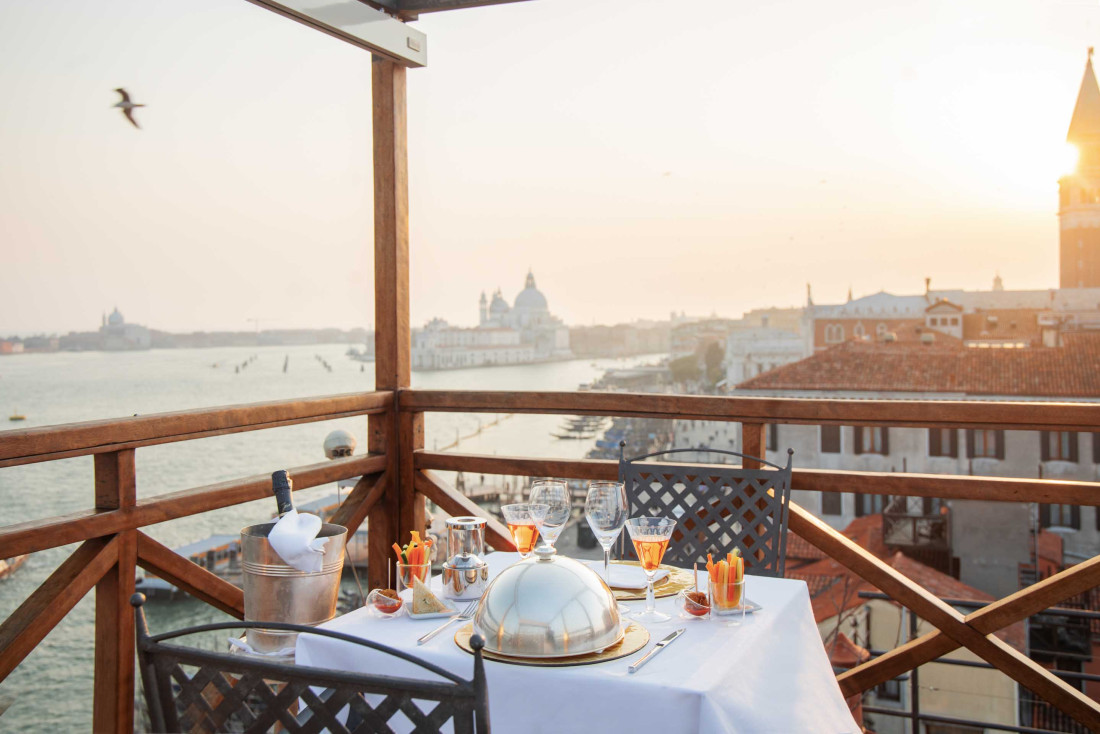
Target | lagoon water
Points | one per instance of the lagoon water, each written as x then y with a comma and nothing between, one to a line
52,689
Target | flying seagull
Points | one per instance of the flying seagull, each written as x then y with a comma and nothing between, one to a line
128,107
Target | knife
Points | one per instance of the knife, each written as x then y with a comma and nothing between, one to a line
656,649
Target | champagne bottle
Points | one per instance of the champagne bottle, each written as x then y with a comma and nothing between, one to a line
280,486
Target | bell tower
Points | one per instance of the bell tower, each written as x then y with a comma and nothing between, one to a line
1079,192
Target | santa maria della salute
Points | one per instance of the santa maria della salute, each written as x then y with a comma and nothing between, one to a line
522,333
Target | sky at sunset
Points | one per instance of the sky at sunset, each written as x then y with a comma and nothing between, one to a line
640,156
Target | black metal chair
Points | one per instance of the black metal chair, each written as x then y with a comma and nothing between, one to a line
716,508
226,692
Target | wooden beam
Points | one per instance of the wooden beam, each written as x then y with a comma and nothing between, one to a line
81,439
456,504
412,515
754,441
518,465
38,535
945,618
946,486
915,413
190,577
995,616
435,6
59,593
357,505
113,708
392,332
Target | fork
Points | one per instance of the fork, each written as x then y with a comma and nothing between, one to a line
466,613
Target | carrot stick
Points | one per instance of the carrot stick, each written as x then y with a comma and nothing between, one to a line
397,550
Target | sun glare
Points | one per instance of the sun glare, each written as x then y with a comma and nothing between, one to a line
1067,163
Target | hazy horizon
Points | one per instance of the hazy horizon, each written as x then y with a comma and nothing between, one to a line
639,161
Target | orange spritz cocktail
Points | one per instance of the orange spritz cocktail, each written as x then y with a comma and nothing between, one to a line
524,535
521,524
650,549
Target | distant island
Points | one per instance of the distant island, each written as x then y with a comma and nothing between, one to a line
116,335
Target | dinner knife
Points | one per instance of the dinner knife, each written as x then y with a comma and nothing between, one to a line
656,649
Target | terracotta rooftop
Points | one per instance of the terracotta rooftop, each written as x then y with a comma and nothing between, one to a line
1071,370
843,653
834,589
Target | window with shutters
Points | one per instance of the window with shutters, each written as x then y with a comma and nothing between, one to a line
830,439
943,442
831,503
1058,445
872,440
1060,516
985,444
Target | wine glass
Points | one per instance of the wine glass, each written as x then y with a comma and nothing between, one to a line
606,509
650,536
553,494
522,526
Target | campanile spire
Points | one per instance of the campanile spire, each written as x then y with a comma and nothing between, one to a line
1079,192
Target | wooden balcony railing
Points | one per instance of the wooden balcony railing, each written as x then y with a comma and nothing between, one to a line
399,475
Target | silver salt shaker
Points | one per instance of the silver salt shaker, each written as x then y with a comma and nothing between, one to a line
465,574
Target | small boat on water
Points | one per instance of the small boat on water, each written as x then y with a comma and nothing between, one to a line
8,566
220,554
580,427
17,416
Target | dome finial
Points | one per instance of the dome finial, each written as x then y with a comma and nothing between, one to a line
530,279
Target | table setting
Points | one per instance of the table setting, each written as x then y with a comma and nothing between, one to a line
690,652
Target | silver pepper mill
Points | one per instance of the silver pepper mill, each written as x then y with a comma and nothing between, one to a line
465,574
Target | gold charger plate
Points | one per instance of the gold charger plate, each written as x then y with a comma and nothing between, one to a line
677,580
634,640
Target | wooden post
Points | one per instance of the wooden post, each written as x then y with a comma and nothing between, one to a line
753,442
113,709
392,335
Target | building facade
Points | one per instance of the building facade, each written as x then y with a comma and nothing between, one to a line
522,333
984,544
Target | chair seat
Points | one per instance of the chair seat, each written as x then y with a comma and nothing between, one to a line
194,690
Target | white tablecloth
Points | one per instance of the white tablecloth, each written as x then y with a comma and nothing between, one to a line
769,675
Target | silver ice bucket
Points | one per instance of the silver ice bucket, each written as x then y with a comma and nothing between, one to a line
276,592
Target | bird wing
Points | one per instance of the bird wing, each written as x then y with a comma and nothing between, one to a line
130,116
125,96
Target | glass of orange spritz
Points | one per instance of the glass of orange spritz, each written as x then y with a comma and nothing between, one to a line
522,525
650,536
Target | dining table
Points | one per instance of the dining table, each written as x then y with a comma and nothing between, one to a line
769,674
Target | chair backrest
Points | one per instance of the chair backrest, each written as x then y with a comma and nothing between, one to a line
716,508
192,690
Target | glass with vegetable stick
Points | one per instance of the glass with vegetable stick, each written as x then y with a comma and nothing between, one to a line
414,561
521,524
650,536
726,581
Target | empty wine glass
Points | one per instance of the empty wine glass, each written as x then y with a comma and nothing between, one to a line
522,526
606,509
553,494
650,536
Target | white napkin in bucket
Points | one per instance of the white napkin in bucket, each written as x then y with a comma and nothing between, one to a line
295,539
626,577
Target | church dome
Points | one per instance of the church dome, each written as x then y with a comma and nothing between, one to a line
115,319
499,306
531,298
